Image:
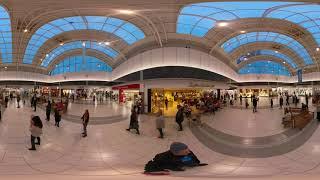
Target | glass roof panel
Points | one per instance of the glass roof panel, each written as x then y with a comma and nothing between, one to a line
210,12
267,52
230,45
265,67
5,36
128,32
80,64
78,45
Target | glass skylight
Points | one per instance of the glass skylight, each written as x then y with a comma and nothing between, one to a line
5,36
253,37
265,67
266,52
123,29
78,64
78,45
197,19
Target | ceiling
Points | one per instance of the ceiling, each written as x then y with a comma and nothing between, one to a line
162,24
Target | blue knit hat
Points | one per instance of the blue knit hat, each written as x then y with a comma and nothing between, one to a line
176,147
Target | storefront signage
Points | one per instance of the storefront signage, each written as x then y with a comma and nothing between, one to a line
130,86
200,85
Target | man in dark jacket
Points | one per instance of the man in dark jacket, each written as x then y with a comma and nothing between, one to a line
179,117
6,100
178,157
254,103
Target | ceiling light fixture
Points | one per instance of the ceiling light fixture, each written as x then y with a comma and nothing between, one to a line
284,62
25,30
107,43
6,67
47,55
222,24
317,49
61,44
276,51
125,11
243,32
100,43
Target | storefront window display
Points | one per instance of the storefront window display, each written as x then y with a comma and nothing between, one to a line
128,94
169,99
256,92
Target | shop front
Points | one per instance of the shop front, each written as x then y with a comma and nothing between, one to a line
169,99
261,92
128,93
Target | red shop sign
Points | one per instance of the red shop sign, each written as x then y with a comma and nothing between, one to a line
130,86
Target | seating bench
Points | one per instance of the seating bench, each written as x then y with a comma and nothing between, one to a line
297,119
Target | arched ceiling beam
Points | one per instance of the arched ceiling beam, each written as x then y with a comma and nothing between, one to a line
34,20
221,34
243,50
269,37
84,35
77,52
124,30
266,58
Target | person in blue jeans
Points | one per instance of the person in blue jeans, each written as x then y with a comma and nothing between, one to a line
176,159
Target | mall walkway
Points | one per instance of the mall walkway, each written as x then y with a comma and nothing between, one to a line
111,152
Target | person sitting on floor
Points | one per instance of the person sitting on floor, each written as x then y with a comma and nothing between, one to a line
176,159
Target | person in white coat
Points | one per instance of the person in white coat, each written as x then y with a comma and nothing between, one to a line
36,131
160,124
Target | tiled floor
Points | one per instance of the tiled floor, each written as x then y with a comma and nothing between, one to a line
245,123
110,152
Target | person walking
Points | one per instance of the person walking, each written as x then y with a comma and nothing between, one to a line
296,100
134,123
35,99
160,123
254,103
281,102
6,100
36,131
180,117
271,102
246,103
48,110
57,117
287,100
307,100
18,100
166,101
0,112
85,121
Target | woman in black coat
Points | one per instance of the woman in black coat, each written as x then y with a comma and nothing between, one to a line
134,124
180,117
57,117
48,110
